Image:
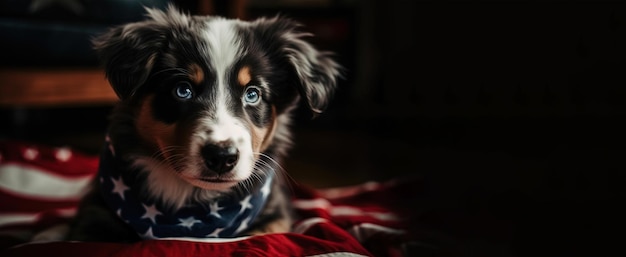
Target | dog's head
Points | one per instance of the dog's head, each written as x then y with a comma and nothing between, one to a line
208,96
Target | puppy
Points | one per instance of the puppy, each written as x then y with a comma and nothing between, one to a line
194,145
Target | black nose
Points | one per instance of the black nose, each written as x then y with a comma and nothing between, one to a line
220,158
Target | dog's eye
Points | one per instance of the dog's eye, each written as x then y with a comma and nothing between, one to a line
183,91
252,95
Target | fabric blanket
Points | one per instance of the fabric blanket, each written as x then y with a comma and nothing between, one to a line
41,185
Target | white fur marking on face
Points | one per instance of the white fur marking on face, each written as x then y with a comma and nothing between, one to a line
224,48
226,128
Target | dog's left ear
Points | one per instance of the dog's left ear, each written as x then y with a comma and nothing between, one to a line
129,51
315,72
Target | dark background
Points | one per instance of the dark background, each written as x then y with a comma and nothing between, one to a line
511,114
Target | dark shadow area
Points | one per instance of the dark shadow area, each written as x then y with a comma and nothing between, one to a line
511,113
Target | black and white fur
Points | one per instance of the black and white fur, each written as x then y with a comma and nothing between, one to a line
190,83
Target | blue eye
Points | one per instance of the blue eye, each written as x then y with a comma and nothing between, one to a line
183,91
252,95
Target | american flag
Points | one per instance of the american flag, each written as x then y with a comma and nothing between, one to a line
40,187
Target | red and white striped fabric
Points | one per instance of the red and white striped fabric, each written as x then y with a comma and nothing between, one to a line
40,187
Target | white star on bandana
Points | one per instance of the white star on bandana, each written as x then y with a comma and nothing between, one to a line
245,204
148,234
243,225
215,233
119,187
215,208
265,190
108,141
151,212
188,222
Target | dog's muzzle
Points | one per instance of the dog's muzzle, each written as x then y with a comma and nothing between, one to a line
221,157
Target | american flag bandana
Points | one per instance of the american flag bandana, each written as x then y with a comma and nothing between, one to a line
223,218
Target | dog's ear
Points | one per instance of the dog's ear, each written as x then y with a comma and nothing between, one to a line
315,72
128,53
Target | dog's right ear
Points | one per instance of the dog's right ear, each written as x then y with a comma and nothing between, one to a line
128,53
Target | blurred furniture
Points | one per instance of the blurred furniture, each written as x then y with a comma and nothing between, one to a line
38,87
46,56
47,60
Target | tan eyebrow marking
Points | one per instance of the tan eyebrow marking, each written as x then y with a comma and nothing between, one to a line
154,132
244,77
196,73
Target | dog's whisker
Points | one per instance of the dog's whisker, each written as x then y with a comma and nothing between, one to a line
180,72
263,157
170,156
279,170
162,153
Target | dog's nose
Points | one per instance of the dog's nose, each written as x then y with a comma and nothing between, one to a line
220,158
